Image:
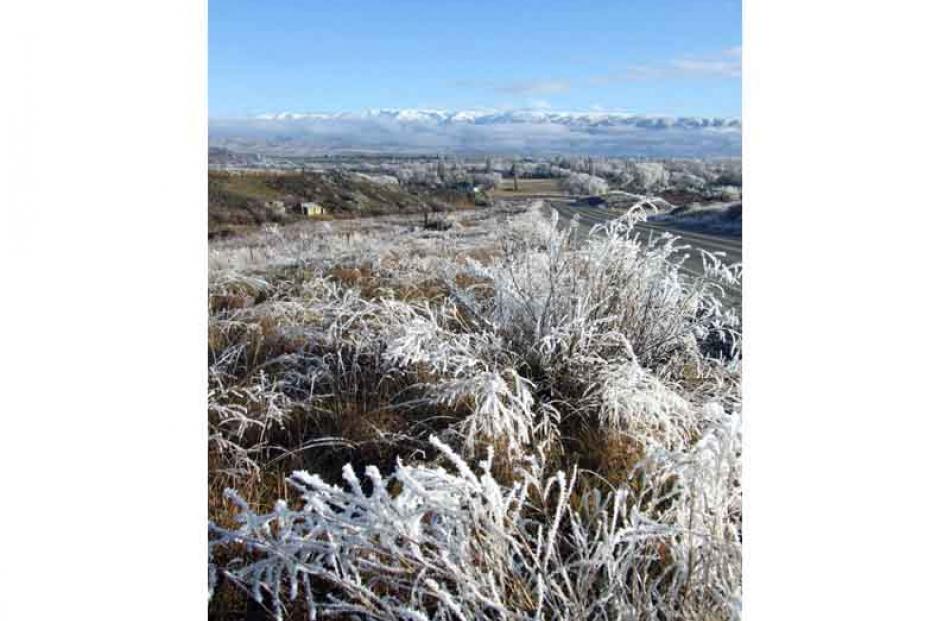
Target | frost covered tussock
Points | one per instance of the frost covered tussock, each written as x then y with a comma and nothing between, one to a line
406,424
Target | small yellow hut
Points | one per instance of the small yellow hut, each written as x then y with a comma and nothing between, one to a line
312,209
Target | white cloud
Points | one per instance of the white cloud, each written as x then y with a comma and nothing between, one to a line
539,104
726,64
725,68
534,87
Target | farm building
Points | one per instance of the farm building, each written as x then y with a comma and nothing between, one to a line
312,209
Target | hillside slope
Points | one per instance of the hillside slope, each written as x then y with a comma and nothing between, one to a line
237,201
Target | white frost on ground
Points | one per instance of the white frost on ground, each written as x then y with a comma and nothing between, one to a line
534,340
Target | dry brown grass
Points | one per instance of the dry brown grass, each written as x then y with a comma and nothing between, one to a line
371,285
218,302
361,277
526,187
611,454
483,255
244,185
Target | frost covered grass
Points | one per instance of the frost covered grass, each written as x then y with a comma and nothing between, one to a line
504,419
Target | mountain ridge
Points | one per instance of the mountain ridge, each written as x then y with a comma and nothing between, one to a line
421,130
489,116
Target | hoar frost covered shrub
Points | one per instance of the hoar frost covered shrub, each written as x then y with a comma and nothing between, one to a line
584,184
454,377
649,177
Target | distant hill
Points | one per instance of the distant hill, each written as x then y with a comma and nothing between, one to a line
237,201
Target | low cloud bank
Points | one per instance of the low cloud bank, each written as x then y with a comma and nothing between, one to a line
426,131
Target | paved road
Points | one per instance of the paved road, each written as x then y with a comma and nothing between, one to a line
730,248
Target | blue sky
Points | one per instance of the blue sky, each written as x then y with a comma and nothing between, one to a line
675,57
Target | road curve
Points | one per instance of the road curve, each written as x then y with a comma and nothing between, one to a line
729,249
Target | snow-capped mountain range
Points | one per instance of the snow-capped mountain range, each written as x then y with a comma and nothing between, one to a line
479,131
489,117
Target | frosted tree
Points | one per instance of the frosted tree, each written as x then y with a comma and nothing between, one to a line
583,184
487,181
649,177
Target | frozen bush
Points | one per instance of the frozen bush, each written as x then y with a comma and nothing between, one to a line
727,192
649,177
487,181
380,179
584,184
730,173
505,341
687,181
461,545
